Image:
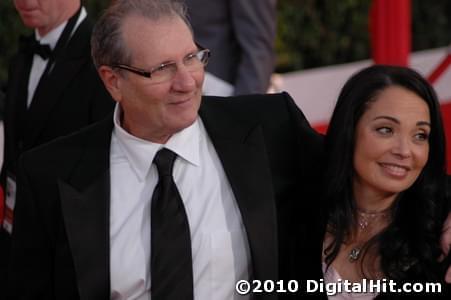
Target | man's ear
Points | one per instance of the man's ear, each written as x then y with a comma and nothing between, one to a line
111,81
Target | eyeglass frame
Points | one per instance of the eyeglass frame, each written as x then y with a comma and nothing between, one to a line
148,74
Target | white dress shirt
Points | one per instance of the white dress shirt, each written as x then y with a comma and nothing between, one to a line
39,64
219,243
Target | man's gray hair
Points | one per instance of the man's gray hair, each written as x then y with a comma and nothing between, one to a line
107,45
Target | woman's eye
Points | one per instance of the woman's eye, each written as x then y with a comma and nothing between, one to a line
422,136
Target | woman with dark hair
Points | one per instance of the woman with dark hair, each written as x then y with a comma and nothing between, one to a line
384,183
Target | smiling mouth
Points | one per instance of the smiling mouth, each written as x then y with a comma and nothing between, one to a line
395,170
180,102
27,10
28,13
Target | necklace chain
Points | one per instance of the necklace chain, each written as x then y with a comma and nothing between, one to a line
364,220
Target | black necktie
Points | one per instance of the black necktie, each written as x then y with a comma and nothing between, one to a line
43,50
171,261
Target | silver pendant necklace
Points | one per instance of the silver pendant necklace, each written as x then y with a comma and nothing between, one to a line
354,254
365,220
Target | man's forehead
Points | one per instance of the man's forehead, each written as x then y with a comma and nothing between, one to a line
166,38
134,20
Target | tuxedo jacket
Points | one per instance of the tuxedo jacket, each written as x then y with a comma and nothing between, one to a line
61,231
70,97
240,35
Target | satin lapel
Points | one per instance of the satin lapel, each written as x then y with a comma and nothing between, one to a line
85,205
18,80
50,88
241,149
15,105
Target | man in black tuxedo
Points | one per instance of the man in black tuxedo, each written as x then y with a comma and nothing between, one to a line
53,88
91,221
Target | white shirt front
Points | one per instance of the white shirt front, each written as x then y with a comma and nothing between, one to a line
219,243
39,64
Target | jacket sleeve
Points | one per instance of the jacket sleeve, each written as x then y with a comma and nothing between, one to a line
30,268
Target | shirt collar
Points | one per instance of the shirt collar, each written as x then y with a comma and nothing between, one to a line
51,38
140,153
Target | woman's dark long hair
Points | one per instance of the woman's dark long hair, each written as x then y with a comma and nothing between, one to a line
410,243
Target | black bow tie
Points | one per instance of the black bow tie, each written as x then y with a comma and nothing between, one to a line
43,50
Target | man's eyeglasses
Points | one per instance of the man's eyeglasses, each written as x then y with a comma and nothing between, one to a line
166,71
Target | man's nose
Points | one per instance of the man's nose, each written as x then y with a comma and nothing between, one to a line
183,79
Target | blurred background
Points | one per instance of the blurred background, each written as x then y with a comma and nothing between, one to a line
319,44
310,33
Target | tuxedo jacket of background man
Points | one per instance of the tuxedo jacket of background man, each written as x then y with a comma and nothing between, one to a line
61,238
241,36
70,97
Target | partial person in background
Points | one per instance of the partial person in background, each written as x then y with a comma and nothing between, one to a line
241,36
385,185
52,90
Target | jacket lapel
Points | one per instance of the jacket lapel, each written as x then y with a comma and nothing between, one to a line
51,86
241,149
85,206
16,97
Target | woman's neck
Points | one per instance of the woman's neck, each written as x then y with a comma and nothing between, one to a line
370,201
